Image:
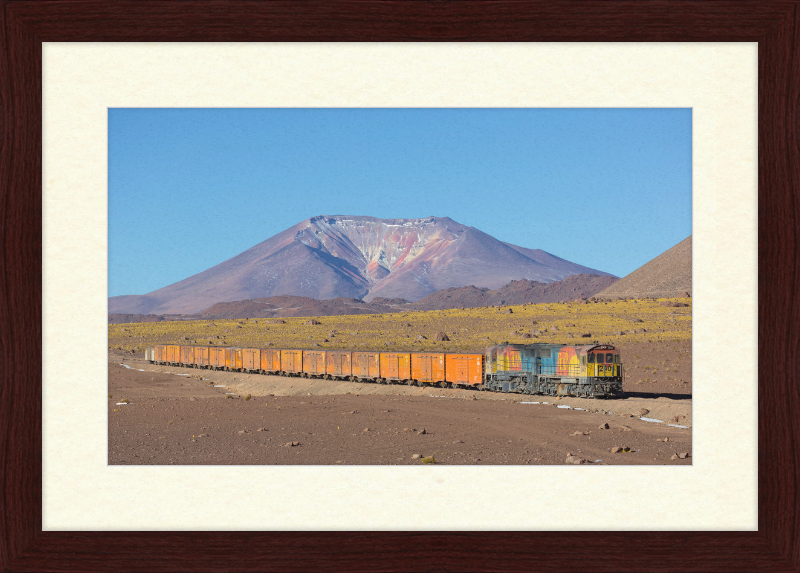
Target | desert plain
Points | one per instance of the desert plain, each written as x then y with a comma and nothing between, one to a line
168,415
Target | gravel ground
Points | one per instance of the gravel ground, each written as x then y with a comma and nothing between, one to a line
181,419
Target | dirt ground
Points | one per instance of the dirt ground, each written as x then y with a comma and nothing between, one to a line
184,416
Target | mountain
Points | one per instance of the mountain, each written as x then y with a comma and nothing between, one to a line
329,257
668,275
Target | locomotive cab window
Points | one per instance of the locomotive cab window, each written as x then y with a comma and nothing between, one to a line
591,359
600,358
609,359
616,359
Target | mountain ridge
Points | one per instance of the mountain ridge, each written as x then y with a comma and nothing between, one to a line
283,306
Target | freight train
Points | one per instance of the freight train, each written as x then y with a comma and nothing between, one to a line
591,371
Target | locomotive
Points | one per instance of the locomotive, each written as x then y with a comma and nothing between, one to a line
554,369
589,371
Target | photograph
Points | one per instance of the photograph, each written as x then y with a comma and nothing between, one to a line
400,286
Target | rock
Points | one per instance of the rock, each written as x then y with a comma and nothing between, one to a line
637,320
644,412
366,429
510,311
291,444
242,432
422,337
527,335
674,457
586,335
441,337
616,450
261,430
569,325
684,455
604,426
422,431
676,419
576,460
416,456
312,322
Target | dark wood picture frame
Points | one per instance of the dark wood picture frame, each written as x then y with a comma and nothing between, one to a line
25,24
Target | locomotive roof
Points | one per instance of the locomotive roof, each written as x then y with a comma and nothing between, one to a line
543,345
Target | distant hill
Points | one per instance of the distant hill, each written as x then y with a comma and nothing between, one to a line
331,257
285,305
668,275
515,292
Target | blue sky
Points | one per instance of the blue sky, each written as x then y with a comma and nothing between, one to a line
190,188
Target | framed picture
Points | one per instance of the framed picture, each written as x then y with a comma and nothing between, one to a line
31,545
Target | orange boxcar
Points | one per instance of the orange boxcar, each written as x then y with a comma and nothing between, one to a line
337,364
313,363
427,367
216,357
365,365
270,360
201,356
292,361
161,352
233,358
464,369
251,359
187,355
396,365
173,353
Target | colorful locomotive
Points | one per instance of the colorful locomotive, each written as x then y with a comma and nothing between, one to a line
592,371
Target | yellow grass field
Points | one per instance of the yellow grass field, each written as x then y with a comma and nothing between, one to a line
469,330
